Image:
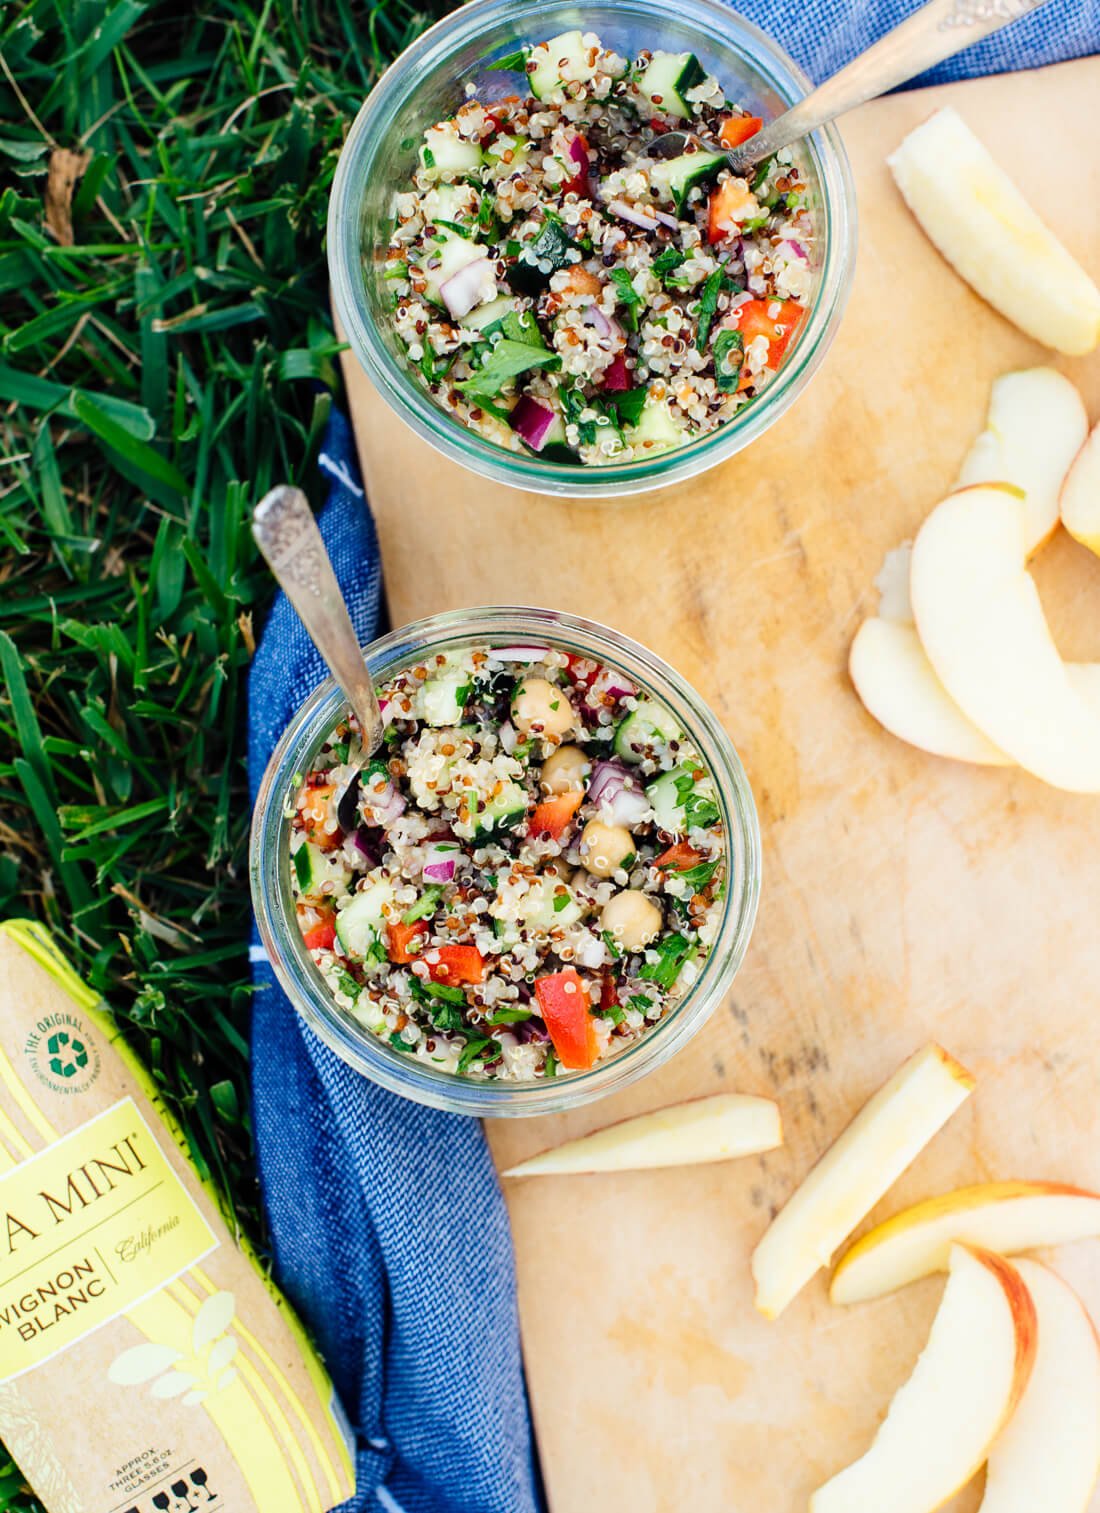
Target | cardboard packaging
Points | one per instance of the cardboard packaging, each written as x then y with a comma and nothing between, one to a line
146,1363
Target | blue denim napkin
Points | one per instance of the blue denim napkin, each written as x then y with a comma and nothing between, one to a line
389,1230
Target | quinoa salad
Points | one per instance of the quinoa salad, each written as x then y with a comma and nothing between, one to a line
566,288
528,876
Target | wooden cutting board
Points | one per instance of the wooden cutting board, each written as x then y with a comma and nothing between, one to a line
904,897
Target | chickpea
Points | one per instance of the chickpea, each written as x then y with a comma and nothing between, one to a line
606,847
539,708
565,770
632,919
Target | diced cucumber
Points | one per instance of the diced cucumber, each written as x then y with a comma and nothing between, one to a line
443,698
545,907
650,725
678,176
359,923
489,314
455,252
314,867
666,81
449,202
502,812
562,59
496,149
444,153
548,250
656,426
680,803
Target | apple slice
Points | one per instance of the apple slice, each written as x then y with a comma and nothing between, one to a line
942,1422
982,625
1048,1454
974,214
1001,1216
1080,502
898,686
895,680
883,1139
1036,426
687,1134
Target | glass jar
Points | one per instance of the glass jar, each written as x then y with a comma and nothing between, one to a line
426,84
273,898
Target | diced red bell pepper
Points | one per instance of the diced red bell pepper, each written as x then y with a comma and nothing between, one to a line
451,964
313,807
616,377
322,936
753,320
591,672
563,1004
679,858
401,937
730,203
553,815
738,129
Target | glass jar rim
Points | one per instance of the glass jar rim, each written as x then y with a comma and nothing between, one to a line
430,421
298,975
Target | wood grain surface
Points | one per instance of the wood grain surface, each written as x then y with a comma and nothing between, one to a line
904,897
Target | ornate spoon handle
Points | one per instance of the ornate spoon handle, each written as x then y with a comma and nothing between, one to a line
288,536
936,31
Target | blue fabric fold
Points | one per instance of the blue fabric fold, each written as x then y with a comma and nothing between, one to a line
389,1231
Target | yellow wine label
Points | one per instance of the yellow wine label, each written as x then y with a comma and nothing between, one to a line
89,1227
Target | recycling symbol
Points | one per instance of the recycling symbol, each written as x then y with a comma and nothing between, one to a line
67,1054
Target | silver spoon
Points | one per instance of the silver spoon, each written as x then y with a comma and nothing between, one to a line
937,31
290,539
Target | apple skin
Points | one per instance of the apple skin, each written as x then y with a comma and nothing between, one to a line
941,1423
1052,1213
1048,1454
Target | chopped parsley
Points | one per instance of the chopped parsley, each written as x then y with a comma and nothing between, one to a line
760,177
639,1002
708,307
700,812
615,1014
511,63
550,1066
398,1041
561,900
609,942
453,226
630,404
429,157
729,357
672,953
510,1016
347,983
699,876
508,359
667,262
629,297
480,1048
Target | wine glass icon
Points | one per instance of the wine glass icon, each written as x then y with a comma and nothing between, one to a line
199,1479
160,1502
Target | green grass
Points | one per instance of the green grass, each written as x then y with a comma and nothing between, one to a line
163,323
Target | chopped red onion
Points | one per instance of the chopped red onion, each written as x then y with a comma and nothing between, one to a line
643,218
613,789
797,248
439,866
469,287
667,220
532,420
383,802
520,653
616,376
579,155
